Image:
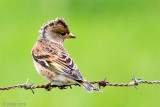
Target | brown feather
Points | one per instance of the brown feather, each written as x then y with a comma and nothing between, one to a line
54,53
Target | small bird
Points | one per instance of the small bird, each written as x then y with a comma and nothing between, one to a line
51,59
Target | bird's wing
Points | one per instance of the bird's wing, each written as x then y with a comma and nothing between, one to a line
63,64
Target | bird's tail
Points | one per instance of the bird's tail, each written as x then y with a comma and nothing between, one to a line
89,88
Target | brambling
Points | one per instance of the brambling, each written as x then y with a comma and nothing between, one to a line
51,59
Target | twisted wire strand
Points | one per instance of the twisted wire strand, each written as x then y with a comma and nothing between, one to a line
149,82
135,82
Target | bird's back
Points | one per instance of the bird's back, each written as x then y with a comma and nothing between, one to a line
56,53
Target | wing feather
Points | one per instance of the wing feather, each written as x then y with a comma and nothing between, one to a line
65,63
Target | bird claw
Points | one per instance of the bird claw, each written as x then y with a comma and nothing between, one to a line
62,87
48,86
135,81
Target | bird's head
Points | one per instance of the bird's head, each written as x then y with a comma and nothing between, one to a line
56,31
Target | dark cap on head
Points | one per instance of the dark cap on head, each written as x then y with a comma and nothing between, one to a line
57,28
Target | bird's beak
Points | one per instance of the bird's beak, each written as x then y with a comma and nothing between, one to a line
70,36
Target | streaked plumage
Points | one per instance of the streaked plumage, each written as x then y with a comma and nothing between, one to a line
51,59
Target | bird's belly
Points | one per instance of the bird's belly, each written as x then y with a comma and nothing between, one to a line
63,80
44,72
58,79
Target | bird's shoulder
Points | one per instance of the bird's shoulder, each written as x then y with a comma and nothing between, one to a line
51,48
49,51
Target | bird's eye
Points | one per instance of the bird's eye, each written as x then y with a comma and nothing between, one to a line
51,24
63,34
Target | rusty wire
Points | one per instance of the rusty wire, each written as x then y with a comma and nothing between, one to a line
103,83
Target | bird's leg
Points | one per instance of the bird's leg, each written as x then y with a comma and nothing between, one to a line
48,86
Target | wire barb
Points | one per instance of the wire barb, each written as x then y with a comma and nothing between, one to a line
102,83
26,86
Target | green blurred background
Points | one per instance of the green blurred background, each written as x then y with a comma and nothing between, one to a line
115,38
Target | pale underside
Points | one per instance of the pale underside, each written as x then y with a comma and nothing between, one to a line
58,79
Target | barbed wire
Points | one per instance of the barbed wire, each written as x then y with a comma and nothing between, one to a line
103,83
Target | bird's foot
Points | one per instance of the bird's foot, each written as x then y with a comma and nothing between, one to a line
48,86
62,87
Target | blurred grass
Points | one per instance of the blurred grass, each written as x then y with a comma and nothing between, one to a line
117,39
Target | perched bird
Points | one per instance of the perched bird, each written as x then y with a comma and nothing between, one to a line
51,59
